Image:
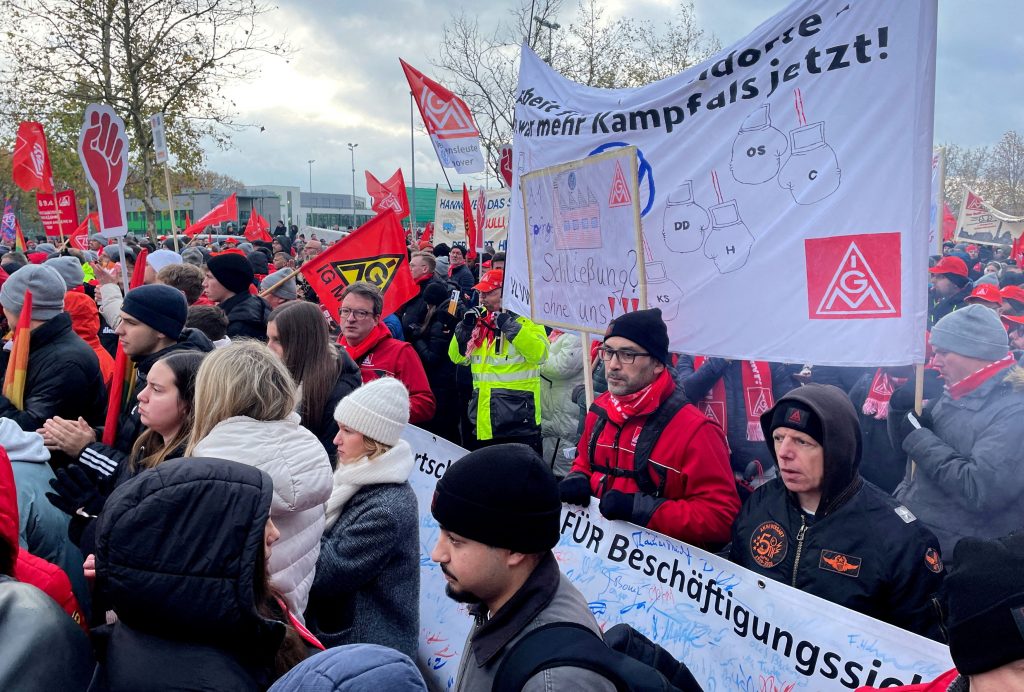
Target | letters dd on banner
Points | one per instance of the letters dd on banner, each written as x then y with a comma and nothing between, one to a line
784,183
735,630
584,244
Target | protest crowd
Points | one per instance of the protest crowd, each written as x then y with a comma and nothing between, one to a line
259,436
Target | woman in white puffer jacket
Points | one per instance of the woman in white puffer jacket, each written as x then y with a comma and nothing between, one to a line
560,416
244,402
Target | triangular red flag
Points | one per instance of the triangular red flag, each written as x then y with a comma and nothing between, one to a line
258,228
375,252
123,369
389,195
225,211
471,229
30,162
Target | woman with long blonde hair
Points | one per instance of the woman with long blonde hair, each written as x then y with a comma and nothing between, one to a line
245,412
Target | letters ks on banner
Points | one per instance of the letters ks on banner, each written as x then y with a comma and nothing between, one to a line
734,629
449,123
67,209
257,228
389,195
225,211
585,213
756,168
376,253
30,162
103,150
449,221
983,224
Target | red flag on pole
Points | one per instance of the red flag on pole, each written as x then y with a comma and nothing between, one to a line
471,229
17,365
948,222
80,236
376,253
124,372
389,195
258,228
449,123
31,160
225,211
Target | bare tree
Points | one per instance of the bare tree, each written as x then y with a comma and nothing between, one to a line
1005,174
965,168
138,56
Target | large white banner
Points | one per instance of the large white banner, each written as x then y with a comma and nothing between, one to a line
734,629
982,223
449,226
784,182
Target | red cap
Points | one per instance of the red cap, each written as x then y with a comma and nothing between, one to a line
987,293
971,247
950,265
234,241
1012,292
490,281
1014,320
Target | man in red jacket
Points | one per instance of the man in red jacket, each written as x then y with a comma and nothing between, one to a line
378,354
646,452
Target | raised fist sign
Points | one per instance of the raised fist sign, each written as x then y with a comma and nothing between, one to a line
103,150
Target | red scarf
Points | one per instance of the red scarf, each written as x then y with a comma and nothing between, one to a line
642,402
424,278
758,396
378,334
452,267
882,386
960,389
483,333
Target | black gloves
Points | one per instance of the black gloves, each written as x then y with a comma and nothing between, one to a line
75,491
469,320
575,489
616,504
464,330
901,424
502,319
903,398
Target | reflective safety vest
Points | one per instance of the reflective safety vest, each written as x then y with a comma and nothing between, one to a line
506,381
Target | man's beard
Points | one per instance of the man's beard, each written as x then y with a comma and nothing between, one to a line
461,596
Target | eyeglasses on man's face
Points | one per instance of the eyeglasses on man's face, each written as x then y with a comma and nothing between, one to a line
625,356
357,314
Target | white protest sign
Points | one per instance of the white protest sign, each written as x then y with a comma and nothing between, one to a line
156,124
103,151
735,630
784,182
449,226
983,224
584,243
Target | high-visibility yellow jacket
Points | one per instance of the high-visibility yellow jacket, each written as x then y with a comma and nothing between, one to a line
506,379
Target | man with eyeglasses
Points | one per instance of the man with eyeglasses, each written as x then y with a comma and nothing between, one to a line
504,352
368,340
647,453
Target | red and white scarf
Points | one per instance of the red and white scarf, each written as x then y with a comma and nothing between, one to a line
960,389
882,386
483,332
642,402
757,396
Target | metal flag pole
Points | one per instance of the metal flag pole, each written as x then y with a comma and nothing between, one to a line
412,151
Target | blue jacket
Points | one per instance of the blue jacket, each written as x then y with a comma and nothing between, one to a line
351,668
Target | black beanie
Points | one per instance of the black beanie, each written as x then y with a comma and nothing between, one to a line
646,328
958,281
233,271
983,603
503,496
435,294
158,306
798,416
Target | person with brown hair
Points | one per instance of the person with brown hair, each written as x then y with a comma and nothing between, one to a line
187,278
297,334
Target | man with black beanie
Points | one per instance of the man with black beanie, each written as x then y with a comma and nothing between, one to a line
646,452
228,278
499,511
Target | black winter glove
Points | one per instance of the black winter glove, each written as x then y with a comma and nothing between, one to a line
464,331
575,489
616,504
502,319
903,398
75,491
469,320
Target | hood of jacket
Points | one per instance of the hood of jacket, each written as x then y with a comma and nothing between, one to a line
351,667
22,445
85,317
841,444
190,340
177,550
1015,378
291,454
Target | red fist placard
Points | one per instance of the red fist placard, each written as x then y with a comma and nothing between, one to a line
103,150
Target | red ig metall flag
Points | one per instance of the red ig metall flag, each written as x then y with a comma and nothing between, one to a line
389,195
31,159
103,150
376,253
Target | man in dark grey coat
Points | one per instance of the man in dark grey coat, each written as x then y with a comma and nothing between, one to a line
964,476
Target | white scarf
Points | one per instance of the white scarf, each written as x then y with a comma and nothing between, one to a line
393,466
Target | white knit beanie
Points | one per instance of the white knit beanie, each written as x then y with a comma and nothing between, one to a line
379,410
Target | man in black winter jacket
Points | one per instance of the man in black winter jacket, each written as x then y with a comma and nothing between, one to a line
951,285
228,278
823,529
64,377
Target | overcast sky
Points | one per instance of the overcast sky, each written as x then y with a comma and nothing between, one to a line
344,83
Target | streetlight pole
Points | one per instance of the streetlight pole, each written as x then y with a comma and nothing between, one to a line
551,27
352,151
311,162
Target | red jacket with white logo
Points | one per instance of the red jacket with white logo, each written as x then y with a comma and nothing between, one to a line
696,500
398,359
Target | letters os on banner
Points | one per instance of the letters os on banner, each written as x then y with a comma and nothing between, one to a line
783,183
735,630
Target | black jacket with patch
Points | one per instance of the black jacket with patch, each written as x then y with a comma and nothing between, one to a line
861,549
247,316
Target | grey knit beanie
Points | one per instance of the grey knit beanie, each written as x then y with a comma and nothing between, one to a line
973,331
69,268
46,285
193,255
287,291
379,410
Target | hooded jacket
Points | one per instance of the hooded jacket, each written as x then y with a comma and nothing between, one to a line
85,321
177,557
298,465
353,667
860,549
247,316
559,374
